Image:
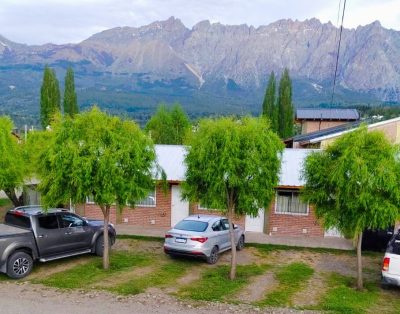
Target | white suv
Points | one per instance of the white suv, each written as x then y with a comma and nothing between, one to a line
391,262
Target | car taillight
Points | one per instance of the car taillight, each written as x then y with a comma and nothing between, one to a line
199,239
168,236
386,262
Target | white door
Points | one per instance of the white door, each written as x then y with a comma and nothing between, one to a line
255,224
179,208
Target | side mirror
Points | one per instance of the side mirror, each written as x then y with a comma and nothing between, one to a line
235,226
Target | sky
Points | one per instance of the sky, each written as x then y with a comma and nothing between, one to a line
71,21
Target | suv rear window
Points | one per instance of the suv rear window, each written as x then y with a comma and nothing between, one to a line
17,220
192,225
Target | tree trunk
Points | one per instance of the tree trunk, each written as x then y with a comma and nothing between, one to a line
13,197
359,263
232,274
106,249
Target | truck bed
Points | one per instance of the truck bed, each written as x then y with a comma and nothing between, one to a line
7,231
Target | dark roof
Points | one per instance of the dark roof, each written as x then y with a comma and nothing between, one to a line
324,132
327,114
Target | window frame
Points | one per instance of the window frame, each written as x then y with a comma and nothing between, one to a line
289,213
89,202
150,206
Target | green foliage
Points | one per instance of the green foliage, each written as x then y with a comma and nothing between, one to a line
168,126
12,164
285,106
233,162
269,104
83,275
215,284
164,275
49,97
354,182
70,100
342,298
291,278
99,155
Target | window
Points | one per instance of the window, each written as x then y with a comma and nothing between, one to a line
192,225
288,202
48,222
17,220
90,199
149,200
70,220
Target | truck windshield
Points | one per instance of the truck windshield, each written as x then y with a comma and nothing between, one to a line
17,220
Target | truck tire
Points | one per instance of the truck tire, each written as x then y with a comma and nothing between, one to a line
240,244
99,248
19,265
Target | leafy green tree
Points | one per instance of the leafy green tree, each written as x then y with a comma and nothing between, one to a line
285,106
70,100
233,165
12,163
269,104
49,97
354,185
168,126
98,155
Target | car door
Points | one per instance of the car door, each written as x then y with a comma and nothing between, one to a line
48,235
225,235
77,234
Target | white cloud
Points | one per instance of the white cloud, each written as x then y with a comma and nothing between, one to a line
61,21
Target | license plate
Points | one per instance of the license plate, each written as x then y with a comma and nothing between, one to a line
180,240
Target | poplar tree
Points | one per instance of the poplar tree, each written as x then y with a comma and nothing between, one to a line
70,100
269,103
285,106
49,97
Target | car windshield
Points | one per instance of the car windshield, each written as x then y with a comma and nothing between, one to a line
192,225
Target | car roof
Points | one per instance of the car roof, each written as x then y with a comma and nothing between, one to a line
31,210
204,218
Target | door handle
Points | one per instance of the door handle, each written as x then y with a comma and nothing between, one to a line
41,236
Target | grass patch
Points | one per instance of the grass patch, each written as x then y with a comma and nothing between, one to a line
166,274
267,248
342,297
215,284
139,237
291,279
93,271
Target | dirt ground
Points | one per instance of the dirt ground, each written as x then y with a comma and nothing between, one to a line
18,296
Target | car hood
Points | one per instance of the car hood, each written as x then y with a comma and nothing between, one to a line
95,222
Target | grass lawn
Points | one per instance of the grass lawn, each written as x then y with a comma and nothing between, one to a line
215,284
298,278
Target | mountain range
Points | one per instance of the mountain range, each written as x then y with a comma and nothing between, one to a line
210,68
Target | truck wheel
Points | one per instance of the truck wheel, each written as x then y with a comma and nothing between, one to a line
99,249
19,265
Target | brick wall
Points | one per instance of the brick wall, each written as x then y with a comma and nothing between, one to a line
160,215
194,209
293,225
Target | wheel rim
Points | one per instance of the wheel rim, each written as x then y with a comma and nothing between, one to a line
21,266
214,256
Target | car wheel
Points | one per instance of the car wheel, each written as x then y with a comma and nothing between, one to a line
213,258
99,249
240,244
19,265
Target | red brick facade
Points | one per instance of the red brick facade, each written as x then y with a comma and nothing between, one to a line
293,224
159,215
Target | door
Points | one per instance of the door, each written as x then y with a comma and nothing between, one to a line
255,224
76,234
179,208
225,233
48,235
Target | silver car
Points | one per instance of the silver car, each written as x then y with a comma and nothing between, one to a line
202,236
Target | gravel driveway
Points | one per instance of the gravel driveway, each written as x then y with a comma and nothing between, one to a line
18,298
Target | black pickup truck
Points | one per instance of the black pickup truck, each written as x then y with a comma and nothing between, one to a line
31,234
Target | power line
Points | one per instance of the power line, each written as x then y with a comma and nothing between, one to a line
338,51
